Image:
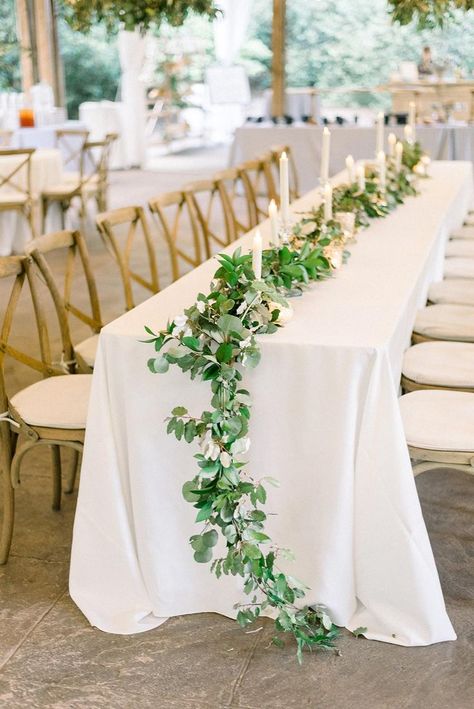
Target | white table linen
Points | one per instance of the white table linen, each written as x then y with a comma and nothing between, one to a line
46,170
442,142
45,137
325,422
102,117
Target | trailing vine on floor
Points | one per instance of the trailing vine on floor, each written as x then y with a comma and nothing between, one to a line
215,340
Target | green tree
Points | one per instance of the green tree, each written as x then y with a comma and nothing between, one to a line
10,78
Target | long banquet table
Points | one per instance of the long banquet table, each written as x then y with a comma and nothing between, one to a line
441,142
325,422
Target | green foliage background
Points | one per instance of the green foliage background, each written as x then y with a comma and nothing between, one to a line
330,43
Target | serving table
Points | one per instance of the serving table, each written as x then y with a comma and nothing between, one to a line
441,142
325,423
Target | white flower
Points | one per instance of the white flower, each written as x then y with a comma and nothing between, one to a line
240,446
180,325
242,307
201,306
209,448
225,459
245,343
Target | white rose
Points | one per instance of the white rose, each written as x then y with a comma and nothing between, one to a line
225,459
240,446
201,306
180,324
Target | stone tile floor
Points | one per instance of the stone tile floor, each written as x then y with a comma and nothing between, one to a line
51,657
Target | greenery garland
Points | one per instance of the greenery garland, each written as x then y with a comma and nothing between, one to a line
426,13
214,341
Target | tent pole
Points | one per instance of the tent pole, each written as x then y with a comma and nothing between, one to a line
278,60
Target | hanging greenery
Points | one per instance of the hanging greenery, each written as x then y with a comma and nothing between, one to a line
133,14
426,13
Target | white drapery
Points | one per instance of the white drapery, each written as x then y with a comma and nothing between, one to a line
230,29
131,46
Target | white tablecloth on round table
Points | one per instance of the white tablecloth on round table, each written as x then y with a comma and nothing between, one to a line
46,170
441,142
45,137
325,423
102,117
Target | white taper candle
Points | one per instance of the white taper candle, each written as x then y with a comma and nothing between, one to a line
273,216
284,190
327,202
408,133
325,153
398,156
380,141
412,118
257,254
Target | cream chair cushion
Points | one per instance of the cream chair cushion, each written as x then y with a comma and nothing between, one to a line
446,322
56,402
465,232
457,291
87,349
439,420
458,267
460,247
446,364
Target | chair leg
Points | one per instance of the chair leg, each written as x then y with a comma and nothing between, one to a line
44,214
6,532
56,466
72,471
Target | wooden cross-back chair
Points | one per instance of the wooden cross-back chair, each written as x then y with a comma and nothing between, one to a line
5,138
73,245
15,184
177,222
90,182
259,185
123,246
276,152
51,411
70,143
210,205
230,185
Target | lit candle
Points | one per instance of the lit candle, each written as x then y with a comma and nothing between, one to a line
392,141
273,215
398,156
350,168
327,202
408,132
380,133
381,166
284,190
325,152
257,254
361,177
412,117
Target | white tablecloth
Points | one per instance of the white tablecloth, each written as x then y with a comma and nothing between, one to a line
102,117
441,142
46,170
45,137
325,422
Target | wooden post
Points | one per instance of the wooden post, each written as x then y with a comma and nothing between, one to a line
278,59
29,74
40,60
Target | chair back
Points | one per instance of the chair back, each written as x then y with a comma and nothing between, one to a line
70,143
178,224
259,185
15,174
93,167
52,352
210,204
121,231
5,138
276,152
230,185
72,246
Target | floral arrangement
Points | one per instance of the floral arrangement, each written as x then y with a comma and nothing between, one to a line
215,340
